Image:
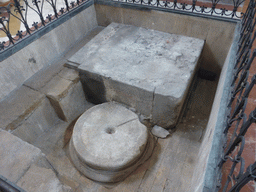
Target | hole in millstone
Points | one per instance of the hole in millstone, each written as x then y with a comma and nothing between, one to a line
110,130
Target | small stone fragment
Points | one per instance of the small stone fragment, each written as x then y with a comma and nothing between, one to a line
159,132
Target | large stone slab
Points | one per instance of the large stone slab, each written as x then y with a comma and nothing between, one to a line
148,70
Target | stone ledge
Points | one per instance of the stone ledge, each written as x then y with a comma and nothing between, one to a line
18,106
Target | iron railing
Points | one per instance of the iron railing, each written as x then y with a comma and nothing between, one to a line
242,116
220,8
31,15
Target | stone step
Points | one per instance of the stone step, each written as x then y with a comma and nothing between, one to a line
30,113
26,166
66,95
145,69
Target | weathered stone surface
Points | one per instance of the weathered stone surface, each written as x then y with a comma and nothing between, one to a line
40,179
40,121
74,103
43,76
109,142
16,156
56,87
139,67
17,106
23,64
67,173
66,96
26,165
69,74
53,138
160,132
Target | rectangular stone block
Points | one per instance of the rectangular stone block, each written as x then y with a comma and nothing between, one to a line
148,70
66,95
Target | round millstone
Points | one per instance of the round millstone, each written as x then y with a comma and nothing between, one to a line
109,142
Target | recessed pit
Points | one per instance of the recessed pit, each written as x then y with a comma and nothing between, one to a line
110,130
109,142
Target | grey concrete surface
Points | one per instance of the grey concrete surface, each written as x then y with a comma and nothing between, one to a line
218,35
39,121
43,76
43,180
16,156
207,172
148,70
18,106
109,142
168,169
22,65
26,165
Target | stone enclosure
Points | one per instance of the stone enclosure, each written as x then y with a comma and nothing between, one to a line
149,71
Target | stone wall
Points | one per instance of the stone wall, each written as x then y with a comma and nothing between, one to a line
206,172
44,51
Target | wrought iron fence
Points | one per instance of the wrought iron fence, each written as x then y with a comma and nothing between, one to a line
242,117
221,8
29,16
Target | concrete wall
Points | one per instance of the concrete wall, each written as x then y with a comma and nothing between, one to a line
44,51
217,34
207,172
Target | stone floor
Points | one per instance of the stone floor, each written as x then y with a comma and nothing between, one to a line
172,164
169,169
45,126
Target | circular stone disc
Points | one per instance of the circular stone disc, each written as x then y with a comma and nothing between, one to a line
109,137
